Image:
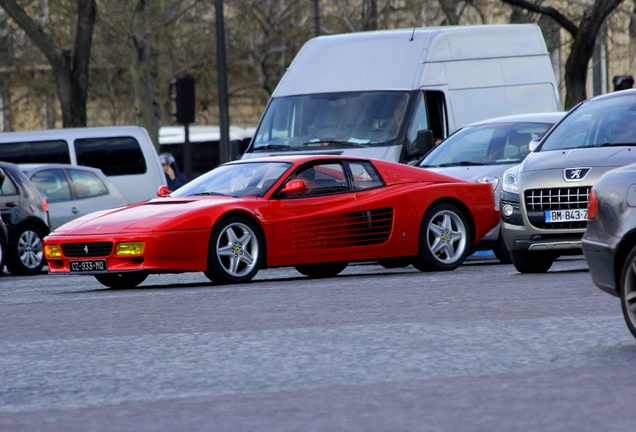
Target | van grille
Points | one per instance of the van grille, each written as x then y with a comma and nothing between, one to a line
539,200
85,250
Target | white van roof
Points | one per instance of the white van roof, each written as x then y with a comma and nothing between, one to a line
395,59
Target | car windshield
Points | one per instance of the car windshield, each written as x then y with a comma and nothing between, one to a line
235,179
340,120
602,122
488,144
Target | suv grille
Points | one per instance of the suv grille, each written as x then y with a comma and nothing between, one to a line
539,200
85,250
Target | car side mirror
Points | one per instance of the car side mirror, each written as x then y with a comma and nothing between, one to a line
163,191
532,145
294,186
2,177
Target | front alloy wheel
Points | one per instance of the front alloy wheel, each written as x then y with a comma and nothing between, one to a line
235,252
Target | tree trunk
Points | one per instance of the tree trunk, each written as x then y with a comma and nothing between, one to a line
70,71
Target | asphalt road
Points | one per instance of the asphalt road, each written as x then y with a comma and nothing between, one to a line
481,348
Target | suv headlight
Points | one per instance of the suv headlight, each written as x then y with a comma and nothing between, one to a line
510,181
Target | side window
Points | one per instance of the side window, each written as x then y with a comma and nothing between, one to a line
364,176
35,152
8,187
87,184
114,156
52,184
429,113
321,179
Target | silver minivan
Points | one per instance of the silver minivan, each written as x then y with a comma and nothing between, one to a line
124,153
544,199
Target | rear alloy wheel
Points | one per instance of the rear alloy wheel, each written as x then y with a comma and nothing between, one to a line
121,280
26,256
532,262
628,291
445,240
324,270
235,252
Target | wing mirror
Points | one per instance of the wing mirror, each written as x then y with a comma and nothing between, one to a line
532,146
294,186
163,191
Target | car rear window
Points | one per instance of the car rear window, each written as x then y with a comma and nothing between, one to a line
54,151
115,156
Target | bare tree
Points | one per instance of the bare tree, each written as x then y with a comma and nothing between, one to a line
70,68
584,35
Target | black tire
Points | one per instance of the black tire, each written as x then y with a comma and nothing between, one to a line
121,280
25,256
236,251
445,239
501,251
323,270
532,262
627,291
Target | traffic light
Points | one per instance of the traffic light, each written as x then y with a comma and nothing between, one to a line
182,97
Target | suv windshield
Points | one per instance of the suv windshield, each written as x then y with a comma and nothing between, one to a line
350,119
602,122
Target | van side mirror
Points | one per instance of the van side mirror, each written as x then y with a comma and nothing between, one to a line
423,144
532,145
238,147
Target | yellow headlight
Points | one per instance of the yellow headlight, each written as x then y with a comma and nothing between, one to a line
130,248
52,251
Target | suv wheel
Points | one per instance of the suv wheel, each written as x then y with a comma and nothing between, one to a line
532,262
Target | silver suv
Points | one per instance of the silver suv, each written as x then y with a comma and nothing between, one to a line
544,199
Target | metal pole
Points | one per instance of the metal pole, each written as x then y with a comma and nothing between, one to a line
224,115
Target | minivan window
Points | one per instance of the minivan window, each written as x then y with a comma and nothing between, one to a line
35,152
115,156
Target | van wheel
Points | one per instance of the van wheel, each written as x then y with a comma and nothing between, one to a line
445,240
323,270
532,262
235,252
25,255
121,280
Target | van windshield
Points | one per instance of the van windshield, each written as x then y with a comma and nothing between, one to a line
350,119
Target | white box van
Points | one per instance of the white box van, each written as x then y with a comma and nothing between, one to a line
373,93
124,153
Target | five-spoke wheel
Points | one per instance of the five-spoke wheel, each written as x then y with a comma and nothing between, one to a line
235,253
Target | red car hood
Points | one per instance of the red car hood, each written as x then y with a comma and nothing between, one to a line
155,215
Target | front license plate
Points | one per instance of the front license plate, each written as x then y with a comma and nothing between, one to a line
574,215
88,266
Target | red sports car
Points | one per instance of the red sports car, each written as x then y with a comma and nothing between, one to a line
316,213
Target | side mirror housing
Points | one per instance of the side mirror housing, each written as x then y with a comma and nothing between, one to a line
423,144
294,186
532,145
163,191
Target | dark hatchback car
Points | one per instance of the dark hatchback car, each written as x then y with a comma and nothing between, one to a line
609,241
25,213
